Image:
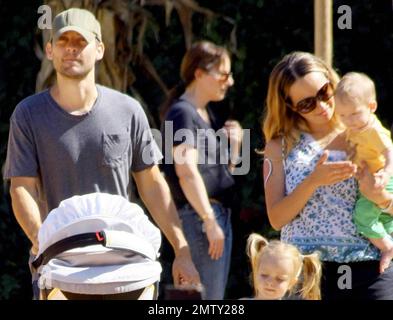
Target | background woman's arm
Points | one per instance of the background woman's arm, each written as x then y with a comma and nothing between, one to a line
191,182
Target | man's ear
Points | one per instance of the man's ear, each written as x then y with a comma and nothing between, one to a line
373,105
49,50
100,51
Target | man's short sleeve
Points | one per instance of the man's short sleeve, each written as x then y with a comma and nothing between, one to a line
145,152
22,160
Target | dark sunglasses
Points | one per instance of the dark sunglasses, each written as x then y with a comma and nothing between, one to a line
309,104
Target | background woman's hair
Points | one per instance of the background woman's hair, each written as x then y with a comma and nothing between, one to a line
203,55
278,119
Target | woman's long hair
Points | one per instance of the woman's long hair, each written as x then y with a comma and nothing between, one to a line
203,55
279,120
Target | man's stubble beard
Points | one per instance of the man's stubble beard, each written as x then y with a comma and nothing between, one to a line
81,73
74,75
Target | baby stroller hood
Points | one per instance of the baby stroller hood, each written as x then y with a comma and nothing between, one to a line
120,254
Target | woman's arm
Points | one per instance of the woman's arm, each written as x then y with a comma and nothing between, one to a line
194,189
383,176
370,187
283,209
388,155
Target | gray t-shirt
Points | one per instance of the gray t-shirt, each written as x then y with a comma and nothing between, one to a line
76,155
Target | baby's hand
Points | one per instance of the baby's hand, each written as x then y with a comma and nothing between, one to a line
382,178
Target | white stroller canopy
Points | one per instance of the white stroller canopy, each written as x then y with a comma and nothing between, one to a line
121,258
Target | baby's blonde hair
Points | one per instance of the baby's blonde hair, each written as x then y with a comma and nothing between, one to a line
257,246
356,88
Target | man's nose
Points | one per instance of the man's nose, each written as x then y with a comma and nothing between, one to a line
72,47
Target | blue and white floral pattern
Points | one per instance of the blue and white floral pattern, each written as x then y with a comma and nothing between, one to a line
326,222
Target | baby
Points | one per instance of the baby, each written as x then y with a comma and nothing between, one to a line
355,104
279,269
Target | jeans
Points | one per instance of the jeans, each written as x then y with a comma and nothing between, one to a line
213,273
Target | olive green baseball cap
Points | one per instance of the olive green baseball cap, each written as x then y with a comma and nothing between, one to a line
78,20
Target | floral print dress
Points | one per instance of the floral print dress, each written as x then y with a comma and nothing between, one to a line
325,224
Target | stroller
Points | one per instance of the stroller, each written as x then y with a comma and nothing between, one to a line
98,246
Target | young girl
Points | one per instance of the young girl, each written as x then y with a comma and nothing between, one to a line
279,268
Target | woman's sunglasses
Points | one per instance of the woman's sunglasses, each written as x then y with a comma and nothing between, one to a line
309,104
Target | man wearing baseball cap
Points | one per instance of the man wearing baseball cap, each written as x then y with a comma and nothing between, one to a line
78,20
78,137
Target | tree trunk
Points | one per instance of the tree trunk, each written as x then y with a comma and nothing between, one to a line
323,30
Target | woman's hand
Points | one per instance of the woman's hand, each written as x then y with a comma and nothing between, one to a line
234,131
326,173
216,238
382,178
372,188
235,134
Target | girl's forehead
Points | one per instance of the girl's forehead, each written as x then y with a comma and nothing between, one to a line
274,260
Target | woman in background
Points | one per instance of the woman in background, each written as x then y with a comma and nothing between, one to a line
199,176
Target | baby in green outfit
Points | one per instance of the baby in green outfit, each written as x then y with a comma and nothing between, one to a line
355,104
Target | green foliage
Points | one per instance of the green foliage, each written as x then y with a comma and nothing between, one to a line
14,273
8,284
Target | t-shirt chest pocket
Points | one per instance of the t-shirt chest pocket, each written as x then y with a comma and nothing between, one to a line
115,148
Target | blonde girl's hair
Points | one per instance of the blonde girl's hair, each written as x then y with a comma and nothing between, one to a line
308,268
278,119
